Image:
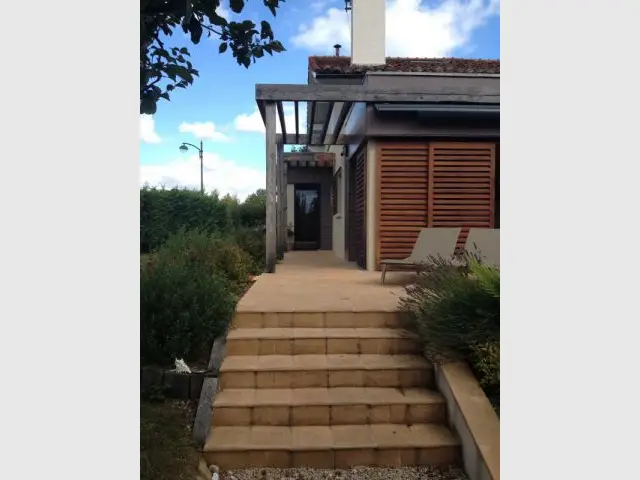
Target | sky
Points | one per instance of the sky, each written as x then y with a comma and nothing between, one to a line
220,108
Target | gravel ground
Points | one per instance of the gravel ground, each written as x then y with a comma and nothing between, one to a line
359,473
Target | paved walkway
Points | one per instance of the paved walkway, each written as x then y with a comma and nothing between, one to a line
320,282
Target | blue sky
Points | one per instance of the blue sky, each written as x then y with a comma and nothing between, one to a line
220,109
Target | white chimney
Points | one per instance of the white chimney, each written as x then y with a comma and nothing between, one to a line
368,32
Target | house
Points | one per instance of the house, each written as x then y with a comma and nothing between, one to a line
415,143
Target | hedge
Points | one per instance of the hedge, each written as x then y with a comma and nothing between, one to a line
164,212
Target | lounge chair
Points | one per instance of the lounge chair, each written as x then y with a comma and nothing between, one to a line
485,242
431,241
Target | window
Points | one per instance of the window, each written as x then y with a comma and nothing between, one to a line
335,191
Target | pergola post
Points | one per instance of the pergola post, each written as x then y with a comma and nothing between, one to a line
279,168
271,154
285,203
281,235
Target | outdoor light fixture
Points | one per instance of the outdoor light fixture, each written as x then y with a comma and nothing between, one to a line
183,148
347,5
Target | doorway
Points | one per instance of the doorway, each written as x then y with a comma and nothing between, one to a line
306,212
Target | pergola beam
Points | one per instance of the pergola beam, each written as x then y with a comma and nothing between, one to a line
359,93
309,139
325,123
342,117
283,125
291,139
295,108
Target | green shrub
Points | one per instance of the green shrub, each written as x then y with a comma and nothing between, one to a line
456,312
253,210
452,310
220,251
253,241
185,303
485,360
164,212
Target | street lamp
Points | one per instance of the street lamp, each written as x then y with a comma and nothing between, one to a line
183,148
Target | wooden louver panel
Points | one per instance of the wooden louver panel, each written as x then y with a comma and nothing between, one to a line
461,186
360,210
402,197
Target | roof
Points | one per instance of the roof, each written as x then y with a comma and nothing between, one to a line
333,64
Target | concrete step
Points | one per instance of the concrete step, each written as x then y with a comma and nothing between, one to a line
318,341
244,319
327,406
332,370
338,446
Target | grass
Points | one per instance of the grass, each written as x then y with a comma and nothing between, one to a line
167,451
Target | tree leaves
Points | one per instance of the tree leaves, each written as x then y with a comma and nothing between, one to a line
271,5
162,70
265,30
236,5
276,46
147,105
195,28
217,20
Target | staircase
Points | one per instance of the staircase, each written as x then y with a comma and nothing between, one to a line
326,390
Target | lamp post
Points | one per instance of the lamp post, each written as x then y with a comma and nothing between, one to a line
183,148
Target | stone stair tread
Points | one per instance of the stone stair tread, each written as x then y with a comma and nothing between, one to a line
244,363
252,397
336,437
296,332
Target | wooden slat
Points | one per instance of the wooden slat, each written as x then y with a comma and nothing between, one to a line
461,186
360,210
403,197
432,185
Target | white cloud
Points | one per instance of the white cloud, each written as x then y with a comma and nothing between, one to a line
249,122
220,174
253,122
224,12
203,131
318,5
147,130
413,28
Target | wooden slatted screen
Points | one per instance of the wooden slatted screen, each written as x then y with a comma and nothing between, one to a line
461,186
360,213
402,207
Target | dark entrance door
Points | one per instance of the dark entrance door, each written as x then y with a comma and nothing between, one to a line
307,216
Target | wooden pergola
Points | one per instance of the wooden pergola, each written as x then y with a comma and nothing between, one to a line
269,99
